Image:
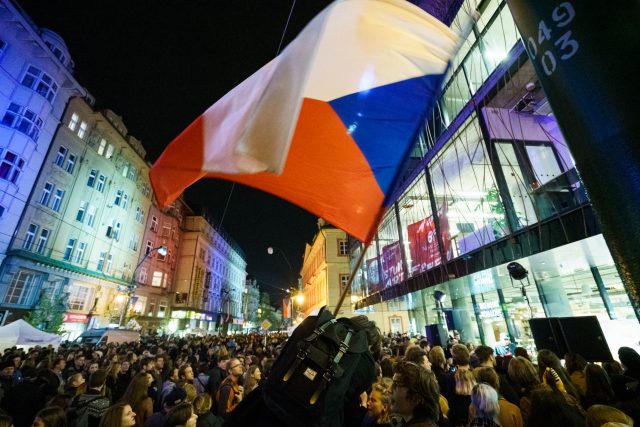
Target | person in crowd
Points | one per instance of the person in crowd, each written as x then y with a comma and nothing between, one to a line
524,377
51,416
252,379
76,385
486,359
169,384
509,414
217,373
439,366
122,382
575,364
137,396
630,360
57,367
505,347
598,415
379,404
202,408
171,400
182,415
549,408
460,400
119,415
7,380
186,373
548,359
93,401
461,362
91,368
201,382
414,395
484,409
230,393
598,387
416,355
191,391
77,367
5,420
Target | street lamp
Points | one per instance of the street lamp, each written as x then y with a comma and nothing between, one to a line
162,250
270,251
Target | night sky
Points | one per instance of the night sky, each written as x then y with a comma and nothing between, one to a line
160,64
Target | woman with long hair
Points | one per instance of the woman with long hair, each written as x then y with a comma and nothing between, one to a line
379,404
202,408
548,359
138,398
525,380
599,389
439,366
509,414
549,408
119,415
51,416
252,379
575,365
484,409
181,415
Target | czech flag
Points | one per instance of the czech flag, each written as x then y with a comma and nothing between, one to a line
328,123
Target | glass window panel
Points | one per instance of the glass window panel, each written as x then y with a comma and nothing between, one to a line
390,250
499,38
466,193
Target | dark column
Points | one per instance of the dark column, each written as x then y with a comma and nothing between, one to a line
603,293
590,79
507,318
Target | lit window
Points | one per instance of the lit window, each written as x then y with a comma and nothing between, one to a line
71,163
102,146
41,82
125,170
116,231
57,199
29,236
60,156
156,280
142,276
83,130
42,241
71,244
73,122
109,152
78,297
46,193
23,120
132,173
82,246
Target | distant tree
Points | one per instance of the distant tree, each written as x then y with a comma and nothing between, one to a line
48,314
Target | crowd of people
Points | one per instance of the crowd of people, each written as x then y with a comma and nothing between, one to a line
200,381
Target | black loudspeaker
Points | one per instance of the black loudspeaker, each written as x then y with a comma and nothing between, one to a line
437,335
581,335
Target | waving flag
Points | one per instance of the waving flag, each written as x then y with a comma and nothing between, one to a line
327,124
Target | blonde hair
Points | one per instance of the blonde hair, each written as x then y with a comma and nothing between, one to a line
384,388
597,415
201,404
464,382
191,391
437,358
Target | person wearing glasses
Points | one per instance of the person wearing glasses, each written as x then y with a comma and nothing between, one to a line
230,392
414,396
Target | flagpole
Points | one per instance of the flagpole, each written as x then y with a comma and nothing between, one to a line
351,276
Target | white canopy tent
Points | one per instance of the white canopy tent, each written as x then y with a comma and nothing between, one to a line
22,334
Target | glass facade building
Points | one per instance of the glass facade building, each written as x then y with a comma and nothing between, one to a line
491,181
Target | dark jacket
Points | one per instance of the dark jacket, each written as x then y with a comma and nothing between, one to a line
209,420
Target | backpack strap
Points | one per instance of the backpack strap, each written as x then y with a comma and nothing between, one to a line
330,372
304,347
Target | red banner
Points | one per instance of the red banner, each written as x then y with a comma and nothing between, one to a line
285,308
423,242
392,264
75,318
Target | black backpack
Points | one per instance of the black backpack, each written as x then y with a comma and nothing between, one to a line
324,366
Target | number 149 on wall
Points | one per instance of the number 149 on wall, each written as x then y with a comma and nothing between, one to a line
565,46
